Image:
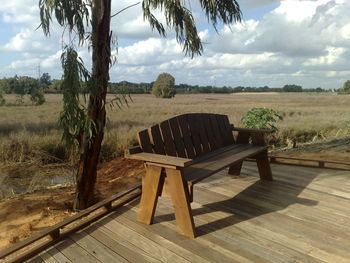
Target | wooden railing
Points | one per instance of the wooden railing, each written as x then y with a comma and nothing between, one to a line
35,244
337,165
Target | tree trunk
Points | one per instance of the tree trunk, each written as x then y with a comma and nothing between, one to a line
101,52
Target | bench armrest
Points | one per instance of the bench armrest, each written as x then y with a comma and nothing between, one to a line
252,130
160,159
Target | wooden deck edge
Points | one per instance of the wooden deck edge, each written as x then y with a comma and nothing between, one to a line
56,233
318,163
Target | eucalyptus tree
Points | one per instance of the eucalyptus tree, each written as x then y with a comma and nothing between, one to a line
89,21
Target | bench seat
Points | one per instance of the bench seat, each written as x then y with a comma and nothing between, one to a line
218,160
186,149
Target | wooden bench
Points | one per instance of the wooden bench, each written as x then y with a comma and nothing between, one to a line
184,150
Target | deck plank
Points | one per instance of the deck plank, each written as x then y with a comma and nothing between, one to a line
154,236
275,221
75,253
228,241
57,255
302,216
129,251
144,243
212,244
97,249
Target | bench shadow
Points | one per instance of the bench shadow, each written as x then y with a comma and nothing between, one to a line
261,197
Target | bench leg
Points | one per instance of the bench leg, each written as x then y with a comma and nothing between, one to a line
181,202
152,183
263,164
235,169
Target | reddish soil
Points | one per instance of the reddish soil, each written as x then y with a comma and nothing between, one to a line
25,215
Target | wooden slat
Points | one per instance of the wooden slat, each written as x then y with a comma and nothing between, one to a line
309,160
144,141
75,253
36,260
215,127
228,128
214,153
201,170
106,237
98,250
155,236
179,143
222,129
185,132
169,145
202,133
199,248
157,140
125,234
57,255
161,159
209,131
194,129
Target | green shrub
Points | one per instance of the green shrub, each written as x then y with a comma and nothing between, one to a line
261,118
2,100
346,88
37,96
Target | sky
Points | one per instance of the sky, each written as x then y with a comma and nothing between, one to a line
278,42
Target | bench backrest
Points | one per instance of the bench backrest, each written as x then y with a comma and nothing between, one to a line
188,135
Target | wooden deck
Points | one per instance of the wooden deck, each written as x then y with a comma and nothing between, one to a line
302,216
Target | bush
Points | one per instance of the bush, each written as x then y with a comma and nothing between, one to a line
261,118
346,88
37,96
2,100
163,87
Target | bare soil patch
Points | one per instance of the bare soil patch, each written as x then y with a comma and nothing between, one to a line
25,215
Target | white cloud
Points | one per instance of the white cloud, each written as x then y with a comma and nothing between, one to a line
28,40
305,42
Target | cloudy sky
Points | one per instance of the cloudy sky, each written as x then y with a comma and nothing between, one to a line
278,42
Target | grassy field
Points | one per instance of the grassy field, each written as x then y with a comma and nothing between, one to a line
30,133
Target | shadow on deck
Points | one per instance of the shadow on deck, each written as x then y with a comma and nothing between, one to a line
302,216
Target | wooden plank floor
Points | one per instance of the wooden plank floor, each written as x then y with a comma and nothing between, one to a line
303,216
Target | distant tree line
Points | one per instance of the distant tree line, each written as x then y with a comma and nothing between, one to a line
35,88
142,88
22,86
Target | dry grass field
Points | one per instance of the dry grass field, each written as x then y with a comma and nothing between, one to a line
30,133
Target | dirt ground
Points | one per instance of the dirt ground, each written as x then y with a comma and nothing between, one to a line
26,215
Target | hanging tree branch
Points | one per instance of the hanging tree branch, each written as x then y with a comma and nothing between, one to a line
125,9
